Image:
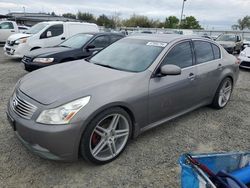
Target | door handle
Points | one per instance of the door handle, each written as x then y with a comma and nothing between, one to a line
63,38
191,76
220,66
12,31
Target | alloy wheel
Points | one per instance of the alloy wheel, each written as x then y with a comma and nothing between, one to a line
225,93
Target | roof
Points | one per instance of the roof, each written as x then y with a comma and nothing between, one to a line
163,37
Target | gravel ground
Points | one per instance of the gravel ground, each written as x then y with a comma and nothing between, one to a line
149,161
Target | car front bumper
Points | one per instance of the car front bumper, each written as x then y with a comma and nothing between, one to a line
245,62
55,142
16,51
30,65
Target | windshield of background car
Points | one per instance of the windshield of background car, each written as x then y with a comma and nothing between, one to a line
77,41
36,28
247,38
133,55
227,38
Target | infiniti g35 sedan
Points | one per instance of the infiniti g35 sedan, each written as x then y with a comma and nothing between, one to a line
91,108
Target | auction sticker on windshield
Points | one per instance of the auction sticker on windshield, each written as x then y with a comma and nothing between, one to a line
158,44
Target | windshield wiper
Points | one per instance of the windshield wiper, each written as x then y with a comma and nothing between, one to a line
64,46
108,66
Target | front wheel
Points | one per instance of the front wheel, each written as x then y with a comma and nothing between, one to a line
223,94
106,136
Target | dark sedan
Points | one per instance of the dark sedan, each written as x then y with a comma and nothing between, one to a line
79,46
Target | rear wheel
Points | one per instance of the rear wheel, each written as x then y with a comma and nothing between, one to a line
106,136
223,94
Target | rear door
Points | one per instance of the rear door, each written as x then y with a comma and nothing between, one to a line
6,29
209,68
171,95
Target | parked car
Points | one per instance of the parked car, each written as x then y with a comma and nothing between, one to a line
44,34
23,28
92,108
244,58
246,42
7,28
77,47
231,42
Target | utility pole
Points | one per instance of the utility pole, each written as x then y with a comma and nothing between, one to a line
182,12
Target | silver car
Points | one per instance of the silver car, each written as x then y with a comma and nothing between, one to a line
92,107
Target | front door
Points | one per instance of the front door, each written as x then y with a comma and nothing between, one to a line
171,95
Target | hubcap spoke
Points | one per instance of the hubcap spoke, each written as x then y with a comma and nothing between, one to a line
100,130
112,147
99,147
226,90
121,133
114,122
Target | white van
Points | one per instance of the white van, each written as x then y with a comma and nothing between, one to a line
44,34
7,28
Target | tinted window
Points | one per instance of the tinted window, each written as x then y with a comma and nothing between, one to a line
100,42
6,25
36,28
216,50
129,54
180,55
203,51
77,41
56,30
114,38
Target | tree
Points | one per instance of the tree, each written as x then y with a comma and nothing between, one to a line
103,20
190,22
242,23
53,13
69,15
87,17
171,22
140,21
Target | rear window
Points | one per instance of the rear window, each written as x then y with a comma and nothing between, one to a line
204,51
216,51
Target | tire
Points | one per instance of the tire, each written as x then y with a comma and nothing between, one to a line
100,144
223,94
27,68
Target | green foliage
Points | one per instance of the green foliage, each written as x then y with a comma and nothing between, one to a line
137,20
243,23
172,22
87,17
69,15
103,20
190,22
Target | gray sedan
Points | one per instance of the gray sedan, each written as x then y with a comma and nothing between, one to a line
92,107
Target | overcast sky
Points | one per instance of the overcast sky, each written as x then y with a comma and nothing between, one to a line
217,14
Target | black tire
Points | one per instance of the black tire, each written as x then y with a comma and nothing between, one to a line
215,104
85,151
27,68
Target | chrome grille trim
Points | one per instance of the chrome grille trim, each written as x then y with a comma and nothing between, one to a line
22,108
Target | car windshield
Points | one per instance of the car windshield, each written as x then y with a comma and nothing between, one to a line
247,38
36,28
226,38
131,55
77,41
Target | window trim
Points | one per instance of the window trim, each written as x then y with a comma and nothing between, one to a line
167,52
95,37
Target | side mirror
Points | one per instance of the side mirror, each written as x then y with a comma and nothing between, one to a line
48,34
90,48
170,70
238,39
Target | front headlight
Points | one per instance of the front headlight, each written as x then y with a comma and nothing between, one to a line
62,114
243,54
43,60
19,41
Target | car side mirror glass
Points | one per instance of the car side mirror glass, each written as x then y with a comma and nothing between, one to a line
170,70
90,47
48,34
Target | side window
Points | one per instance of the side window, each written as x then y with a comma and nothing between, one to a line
216,51
53,31
6,25
203,51
180,55
100,42
114,38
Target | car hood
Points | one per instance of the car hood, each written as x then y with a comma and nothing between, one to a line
247,51
68,81
18,36
226,43
46,52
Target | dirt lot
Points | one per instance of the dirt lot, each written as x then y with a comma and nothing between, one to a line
149,161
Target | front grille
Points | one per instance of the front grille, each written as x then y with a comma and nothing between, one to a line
245,63
26,59
10,43
22,108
